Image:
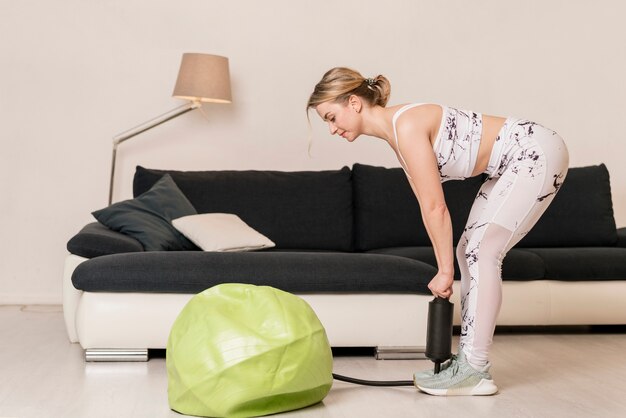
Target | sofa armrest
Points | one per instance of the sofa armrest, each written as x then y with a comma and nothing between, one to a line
96,239
621,237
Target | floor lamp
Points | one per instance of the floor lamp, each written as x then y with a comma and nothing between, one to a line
201,78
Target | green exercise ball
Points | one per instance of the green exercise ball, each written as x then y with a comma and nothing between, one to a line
239,350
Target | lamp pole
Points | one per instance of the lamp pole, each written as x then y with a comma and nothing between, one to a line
124,136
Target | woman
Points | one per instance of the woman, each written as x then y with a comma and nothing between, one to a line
526,164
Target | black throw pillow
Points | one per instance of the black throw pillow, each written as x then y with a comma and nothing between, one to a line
148,217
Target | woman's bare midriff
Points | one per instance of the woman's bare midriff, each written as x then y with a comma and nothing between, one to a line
491,127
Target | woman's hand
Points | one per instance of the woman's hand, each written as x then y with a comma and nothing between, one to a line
441,285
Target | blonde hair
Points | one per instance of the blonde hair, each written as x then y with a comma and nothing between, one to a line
339,83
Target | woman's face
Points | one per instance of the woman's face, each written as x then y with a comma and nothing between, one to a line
342,118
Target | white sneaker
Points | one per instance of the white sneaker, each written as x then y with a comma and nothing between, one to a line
459,379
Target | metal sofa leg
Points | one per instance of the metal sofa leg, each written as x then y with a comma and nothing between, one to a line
400,353
113,354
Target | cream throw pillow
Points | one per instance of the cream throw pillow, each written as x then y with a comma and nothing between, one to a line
221,232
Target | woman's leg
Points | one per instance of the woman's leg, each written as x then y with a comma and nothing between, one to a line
473,223
514,203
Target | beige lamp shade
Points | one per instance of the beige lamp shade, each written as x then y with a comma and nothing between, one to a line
204,78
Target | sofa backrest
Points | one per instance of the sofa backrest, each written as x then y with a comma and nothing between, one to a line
374,207
386,211
296,210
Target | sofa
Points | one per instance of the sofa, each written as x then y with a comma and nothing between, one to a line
352,244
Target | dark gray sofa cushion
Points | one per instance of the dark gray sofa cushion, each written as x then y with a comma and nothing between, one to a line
387,213
581,214
517,265
96,239
306,209
586,263
192,272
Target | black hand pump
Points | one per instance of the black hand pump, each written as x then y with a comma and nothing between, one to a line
438,342
439,331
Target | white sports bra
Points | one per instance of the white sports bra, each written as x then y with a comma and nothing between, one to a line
457,142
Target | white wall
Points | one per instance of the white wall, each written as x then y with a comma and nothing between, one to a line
75,73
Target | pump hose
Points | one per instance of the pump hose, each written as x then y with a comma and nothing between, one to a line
373,382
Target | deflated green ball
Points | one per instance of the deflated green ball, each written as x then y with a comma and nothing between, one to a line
240,350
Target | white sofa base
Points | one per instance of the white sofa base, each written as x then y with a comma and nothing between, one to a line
126,321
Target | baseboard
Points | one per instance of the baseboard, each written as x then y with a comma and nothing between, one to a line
29,299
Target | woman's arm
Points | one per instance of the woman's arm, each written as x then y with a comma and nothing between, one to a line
421,165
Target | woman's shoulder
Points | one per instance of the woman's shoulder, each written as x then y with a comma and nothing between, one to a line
417,116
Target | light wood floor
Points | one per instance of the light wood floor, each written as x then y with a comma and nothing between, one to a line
561,374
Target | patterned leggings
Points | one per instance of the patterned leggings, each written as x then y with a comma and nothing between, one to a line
526,169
